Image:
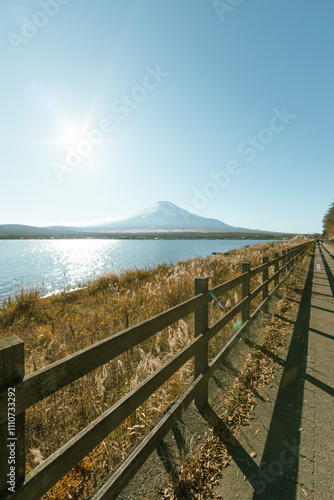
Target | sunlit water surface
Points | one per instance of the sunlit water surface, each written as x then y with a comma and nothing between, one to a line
55,265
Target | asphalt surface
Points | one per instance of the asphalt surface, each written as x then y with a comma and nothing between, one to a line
288,452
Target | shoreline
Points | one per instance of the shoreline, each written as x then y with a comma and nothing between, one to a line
57,286
160,235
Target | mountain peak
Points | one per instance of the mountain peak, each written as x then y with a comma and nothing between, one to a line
166,204
165,207
165,215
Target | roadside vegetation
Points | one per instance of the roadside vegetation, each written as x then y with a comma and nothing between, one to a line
328,223
55,327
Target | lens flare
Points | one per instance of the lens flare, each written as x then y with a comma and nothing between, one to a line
237,324
215,298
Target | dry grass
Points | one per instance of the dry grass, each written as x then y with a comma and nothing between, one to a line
54,327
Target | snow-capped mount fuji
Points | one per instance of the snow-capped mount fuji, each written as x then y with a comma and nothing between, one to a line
164,215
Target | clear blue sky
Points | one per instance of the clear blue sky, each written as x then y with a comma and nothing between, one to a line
223,108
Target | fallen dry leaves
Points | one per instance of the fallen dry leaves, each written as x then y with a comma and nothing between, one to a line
198,475
304,491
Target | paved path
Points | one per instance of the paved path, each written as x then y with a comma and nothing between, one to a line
295,417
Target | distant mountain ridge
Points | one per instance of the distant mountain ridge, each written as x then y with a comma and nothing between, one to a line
162,215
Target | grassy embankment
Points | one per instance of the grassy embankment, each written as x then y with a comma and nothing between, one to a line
55,327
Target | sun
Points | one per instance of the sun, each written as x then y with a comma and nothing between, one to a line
72,135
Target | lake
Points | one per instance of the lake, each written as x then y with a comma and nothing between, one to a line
55,265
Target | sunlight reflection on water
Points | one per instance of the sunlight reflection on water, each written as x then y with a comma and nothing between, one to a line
55,265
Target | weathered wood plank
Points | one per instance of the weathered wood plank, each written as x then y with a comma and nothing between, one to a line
229,285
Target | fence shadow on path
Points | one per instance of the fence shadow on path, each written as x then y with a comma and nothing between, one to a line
277,477
329,273
329,253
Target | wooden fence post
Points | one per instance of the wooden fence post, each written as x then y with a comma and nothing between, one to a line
12,432
265,276
291,259
201,357
283,262
293,252
245,268
276,270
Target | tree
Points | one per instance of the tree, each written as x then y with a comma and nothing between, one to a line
328,222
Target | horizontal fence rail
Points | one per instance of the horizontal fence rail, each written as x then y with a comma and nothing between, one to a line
30,389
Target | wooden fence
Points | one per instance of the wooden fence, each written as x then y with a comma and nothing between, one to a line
19,391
